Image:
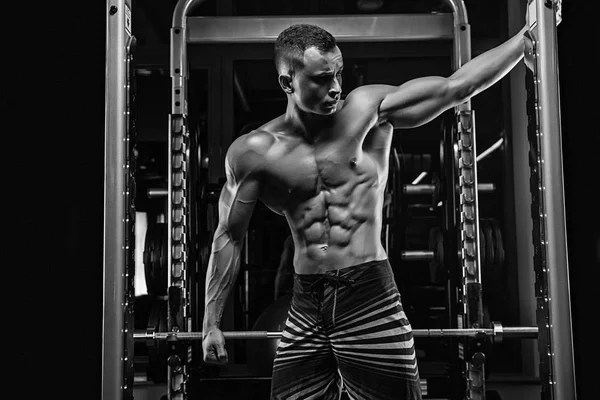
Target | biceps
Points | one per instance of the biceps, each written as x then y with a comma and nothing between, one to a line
236,205
417,102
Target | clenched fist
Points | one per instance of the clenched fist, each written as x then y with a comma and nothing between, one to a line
213,347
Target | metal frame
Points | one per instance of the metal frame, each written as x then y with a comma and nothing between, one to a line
497,332
552,287
551,266
209,30
364,28
466,221
115,334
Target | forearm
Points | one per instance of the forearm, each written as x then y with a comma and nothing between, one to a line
223,268
488,68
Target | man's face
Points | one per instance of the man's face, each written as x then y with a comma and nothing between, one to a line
318,85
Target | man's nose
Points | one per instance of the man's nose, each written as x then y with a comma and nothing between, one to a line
334,91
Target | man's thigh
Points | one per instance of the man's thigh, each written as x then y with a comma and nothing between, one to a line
373,343
304,365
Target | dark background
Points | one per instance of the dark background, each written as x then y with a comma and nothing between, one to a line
54,159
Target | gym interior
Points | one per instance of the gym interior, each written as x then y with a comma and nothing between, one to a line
192,88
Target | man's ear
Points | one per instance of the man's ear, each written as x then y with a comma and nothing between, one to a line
285,81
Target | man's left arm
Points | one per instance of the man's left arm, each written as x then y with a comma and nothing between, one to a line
420,100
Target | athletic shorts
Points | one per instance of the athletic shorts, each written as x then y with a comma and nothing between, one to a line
346,331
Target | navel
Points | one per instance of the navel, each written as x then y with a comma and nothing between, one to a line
353,162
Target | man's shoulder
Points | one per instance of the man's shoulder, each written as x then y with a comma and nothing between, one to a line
248,151
257,141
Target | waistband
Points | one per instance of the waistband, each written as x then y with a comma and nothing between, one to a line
346,275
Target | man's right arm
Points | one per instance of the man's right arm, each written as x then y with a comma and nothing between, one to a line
236,204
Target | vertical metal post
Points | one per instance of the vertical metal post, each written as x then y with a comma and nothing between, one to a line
468,220
179,316
115,335
555,344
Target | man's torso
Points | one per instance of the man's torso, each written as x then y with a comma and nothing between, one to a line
331,191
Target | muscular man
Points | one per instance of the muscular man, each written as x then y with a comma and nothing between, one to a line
323,165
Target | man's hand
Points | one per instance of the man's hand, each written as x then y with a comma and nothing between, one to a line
213,347
528,57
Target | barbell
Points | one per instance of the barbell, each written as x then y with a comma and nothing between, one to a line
210,192
497,333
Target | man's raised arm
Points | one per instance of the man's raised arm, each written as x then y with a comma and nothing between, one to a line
236,204
420,100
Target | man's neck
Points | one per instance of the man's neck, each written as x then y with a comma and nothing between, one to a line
304,123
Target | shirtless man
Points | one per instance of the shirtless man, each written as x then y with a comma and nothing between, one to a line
323,165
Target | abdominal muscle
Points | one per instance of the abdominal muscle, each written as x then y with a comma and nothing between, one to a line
332,237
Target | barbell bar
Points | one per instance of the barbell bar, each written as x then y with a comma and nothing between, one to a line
497,332
410,189
420,255
429,189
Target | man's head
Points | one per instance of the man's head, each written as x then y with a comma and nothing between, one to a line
309,65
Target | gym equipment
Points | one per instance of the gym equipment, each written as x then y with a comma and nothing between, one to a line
156,273
155,259
437,273
555,342
492,254
157,350
210,192
550,259
119,208
497,333
430,189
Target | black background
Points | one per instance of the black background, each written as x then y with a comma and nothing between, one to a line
54,158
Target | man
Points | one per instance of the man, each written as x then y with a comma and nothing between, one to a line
323,165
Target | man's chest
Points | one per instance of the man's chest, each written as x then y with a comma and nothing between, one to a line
303,170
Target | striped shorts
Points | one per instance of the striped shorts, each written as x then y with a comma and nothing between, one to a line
346,331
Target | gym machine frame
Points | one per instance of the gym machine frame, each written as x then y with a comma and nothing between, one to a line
119,212
193,30
553,313
555,343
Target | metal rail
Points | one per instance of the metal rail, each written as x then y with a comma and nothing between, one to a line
345,28
409,189
555,345
497,333
115,346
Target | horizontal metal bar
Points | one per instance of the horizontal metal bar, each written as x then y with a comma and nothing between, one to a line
157,192
429,189
417,255
507,332
347,28
410,189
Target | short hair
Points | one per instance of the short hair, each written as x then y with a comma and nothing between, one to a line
292,42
